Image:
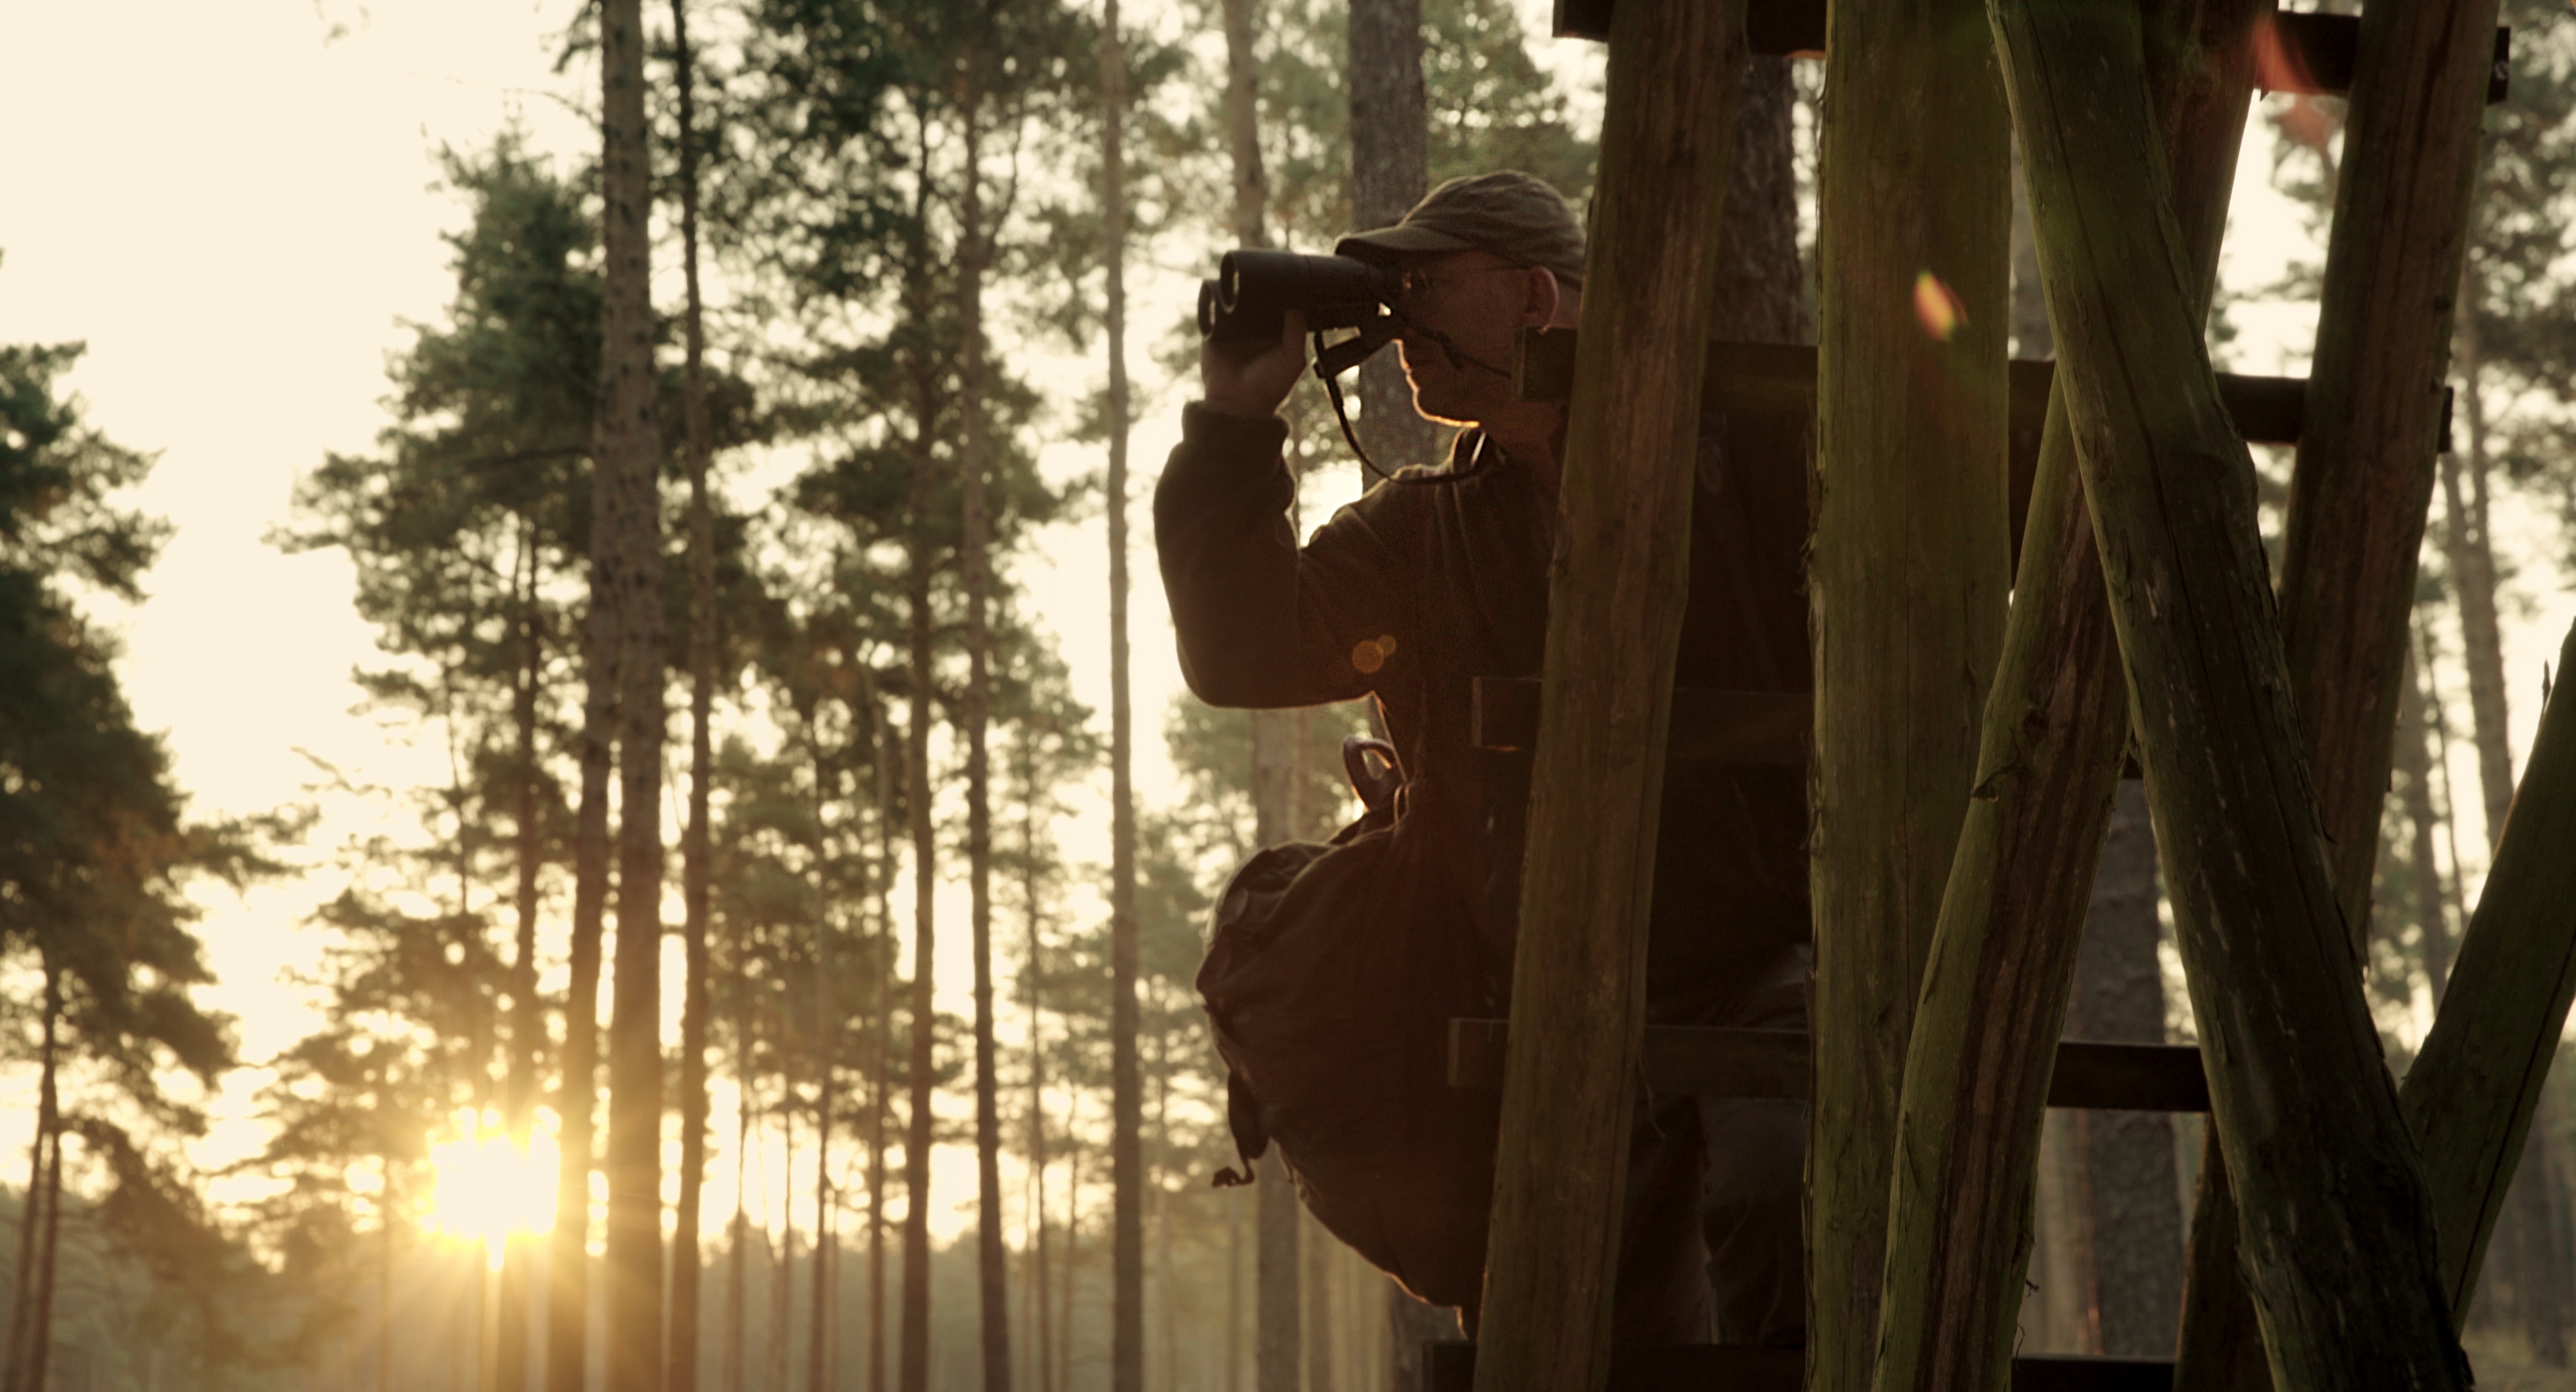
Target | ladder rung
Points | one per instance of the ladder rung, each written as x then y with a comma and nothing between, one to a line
1714,1062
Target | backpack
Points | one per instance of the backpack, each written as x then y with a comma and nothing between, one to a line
1331,976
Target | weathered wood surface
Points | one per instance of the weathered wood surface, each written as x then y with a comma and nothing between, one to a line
1709,725
1907,579
2337,1230
2472,1091
1993,1007
2317,50
1615,611
1739,1368
2377,413
1723,1062
2364,476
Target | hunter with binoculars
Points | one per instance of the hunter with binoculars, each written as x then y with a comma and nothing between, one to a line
1333,969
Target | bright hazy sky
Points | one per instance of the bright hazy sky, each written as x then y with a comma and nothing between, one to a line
236,210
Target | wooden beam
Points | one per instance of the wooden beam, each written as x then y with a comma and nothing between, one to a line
2318,51
2471,1093
2337,1230
1616,594
1725,727
2358,497
1775,1064
1983,1064
1451,1367
1908,574
1780,379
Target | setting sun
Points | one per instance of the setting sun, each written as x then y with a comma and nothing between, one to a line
488,1186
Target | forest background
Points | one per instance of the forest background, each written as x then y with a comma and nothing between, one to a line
267,223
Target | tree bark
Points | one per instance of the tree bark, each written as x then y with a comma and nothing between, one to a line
1040,1307
2475,1090
1910,567
1274,740
1243,125
915,1336
686,1262
2469,550
889,753
992,1259
2415,761
630,458
2347,1290
1615,590
40,1332
1127,1097
2365,471
1390,171
1761,293
2374,406
23,1324
527,1012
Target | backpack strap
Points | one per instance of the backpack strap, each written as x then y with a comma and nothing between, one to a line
1243,1119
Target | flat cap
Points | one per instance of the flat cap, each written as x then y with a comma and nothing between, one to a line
1519,217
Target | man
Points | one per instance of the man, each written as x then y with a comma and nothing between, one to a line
1439,577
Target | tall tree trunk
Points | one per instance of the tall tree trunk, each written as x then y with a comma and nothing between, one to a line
1243,125
992,1257
827,1034
40,1332
1042,1355
1390,168
782,1289
686,1262
630,457
527,1012
1912,563
2415,761
23,1330
2469,549
889,752
737,1333
1274,735
915,1365
1277,1355
1320,1362
1127,1097
2133,1205
577,1097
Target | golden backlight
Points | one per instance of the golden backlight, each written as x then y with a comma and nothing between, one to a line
487,1187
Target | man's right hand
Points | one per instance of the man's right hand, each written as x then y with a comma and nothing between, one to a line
1249,379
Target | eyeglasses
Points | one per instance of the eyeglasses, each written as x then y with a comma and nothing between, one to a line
1421,285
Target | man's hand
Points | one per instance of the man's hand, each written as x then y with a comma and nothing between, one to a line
1252,379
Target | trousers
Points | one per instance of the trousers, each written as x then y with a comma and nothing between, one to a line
1712,1234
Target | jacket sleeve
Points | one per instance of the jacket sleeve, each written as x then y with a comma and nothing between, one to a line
1261,622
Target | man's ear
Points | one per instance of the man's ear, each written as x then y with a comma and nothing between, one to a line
1542,298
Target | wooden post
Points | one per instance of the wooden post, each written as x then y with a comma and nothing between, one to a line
2472,1091
2365,470
1907,585
2337,1228
1995,991
2358,499
1616,592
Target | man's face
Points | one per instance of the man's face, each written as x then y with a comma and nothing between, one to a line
1479,300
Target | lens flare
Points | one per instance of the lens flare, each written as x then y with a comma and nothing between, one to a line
1937,308
487,1187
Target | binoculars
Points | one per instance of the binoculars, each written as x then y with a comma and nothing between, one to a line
1254,290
